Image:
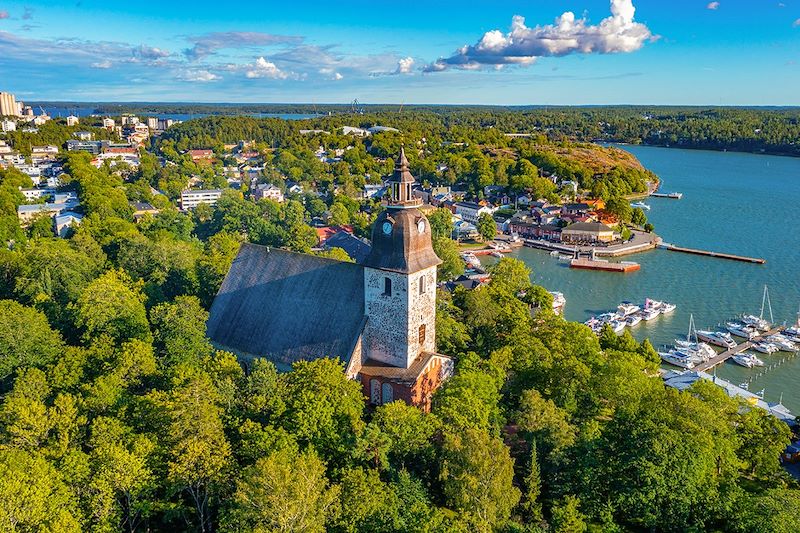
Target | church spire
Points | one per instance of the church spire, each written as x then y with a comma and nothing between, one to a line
400,183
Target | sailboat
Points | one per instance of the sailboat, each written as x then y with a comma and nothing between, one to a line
759,322
694,347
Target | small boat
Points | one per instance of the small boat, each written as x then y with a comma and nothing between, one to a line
641,205
649,313
743,360
677,359
627,308
722,339
793,331
756,322
472,260
765,347
698,348
784,344
554,253
740,330
632,320
559,300
495,253
663,307
617,325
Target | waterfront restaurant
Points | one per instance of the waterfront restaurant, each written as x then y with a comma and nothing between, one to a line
587,232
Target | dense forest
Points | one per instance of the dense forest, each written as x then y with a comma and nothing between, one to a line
116,412
772,130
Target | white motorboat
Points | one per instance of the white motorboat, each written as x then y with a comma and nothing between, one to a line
701,349
608,317
765,347
756,322
783,344
740,330
649,313
743,360
663,307
632,320
641,205
722,339
793,331
617,325
559,301
626,308
677,359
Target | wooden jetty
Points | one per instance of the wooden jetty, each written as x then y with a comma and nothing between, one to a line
727,354
707,253
673,195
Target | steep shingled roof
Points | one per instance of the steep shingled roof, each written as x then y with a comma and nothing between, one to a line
288,306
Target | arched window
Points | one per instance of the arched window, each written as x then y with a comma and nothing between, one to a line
375,391
387,286
422,285
422,334
388,393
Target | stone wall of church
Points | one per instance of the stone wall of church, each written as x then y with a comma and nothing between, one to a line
386,333
422,312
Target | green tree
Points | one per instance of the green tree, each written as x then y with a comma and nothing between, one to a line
567,517
447,250
477,474
113,305
26,339
179,330
486,226
441,221
284,491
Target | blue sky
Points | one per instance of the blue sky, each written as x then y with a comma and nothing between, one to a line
731,52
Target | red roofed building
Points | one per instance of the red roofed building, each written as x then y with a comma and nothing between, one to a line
323,234
201,155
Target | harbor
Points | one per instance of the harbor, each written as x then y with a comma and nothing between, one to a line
708,287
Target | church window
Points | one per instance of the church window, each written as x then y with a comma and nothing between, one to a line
387,287
388,393
375,391
422,285
422,334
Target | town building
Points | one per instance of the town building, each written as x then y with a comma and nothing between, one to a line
109,124
470,211
44,152
8,125
377,317
192,198
65,222
587,232
152,123
72,120
83,135
268,191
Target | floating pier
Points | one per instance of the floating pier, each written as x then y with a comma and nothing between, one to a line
673,195
594,264
707,253
727,354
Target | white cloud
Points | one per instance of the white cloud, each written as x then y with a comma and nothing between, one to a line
209,43
523,45
796,24
265,69
331,74
102,64
405,65
713,5
198,75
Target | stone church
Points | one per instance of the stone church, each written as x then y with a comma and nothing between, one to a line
378,317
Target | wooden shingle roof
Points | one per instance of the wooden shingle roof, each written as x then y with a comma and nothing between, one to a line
288,306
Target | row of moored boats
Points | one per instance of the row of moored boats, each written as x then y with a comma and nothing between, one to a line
698,347
629,315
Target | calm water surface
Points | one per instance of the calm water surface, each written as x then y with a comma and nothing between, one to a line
737,203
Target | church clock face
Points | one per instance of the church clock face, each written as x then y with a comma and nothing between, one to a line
421,226
387,228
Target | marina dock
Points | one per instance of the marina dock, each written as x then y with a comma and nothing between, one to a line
727,354
594,264
673,195
733,257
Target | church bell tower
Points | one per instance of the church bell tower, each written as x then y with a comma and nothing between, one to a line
400,278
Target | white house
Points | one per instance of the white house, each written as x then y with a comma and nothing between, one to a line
191,199
470,211
65,221
268,191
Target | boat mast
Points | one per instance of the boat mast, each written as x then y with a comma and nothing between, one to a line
765,299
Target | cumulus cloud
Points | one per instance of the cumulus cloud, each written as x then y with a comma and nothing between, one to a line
405,65
331,74
209,43
713,6
523,45
265,69
149,53
102,64
201,76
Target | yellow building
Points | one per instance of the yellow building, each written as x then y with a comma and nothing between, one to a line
587,232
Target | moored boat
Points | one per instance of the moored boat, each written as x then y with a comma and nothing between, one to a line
765,347
649,313
677,359
743,360
722,339
784,344
626,308
740,330
632,320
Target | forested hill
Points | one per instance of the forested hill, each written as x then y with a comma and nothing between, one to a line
772,130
